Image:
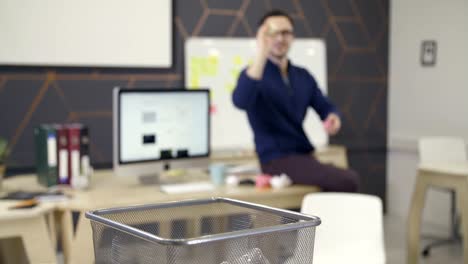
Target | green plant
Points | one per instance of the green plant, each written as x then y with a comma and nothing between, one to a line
3,150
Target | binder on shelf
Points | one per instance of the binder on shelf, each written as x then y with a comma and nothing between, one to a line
74,157
62,154
45,138
81,180
85,159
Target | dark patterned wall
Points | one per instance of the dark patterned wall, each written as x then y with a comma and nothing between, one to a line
356,33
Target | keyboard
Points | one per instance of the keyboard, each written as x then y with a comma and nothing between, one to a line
187,187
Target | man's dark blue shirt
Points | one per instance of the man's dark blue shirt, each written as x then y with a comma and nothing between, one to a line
276,108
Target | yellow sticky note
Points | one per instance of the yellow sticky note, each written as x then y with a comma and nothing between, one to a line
202,66
230,87
209,66
195,65
237,60
212,96
194,81
213,59
235,73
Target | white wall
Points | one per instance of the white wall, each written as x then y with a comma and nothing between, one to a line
425,100
428,100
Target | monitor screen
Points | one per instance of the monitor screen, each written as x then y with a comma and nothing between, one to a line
162,124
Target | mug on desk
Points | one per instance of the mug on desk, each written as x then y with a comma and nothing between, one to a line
217,173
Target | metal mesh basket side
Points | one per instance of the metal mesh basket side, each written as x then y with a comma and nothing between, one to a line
114,246
292,247
213,216
211,231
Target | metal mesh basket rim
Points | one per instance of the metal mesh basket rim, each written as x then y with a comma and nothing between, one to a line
308,221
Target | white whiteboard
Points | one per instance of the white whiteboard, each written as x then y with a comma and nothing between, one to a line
215,63
115,33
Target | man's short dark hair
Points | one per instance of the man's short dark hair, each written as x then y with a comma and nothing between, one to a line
275,12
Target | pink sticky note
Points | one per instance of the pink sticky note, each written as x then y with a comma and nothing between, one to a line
213,109
262,181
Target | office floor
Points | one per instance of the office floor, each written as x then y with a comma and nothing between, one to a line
395,244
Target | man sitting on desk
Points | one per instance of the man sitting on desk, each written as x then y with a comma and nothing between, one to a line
276,95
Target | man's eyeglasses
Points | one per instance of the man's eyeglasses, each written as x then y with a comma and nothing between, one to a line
282,33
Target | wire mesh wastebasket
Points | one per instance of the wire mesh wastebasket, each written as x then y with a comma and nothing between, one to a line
209,231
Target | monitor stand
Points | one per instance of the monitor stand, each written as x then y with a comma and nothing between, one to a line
149,179
154,178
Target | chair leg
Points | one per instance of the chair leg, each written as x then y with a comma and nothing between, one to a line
462,198
438,243
414,219
455,237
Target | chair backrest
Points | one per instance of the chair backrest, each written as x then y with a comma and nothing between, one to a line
442,149
351,229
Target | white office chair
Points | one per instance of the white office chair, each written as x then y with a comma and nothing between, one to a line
351,229
436,154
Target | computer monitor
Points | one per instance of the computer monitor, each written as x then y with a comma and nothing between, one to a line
157,129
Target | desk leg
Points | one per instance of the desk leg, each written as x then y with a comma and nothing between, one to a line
83,250
66,226
12,251
414,219
52,229
462,200
37,242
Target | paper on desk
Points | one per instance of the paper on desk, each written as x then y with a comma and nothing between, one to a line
52,197
244,169
187,187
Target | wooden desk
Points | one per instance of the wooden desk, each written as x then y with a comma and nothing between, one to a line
34,228
332,154
109,191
